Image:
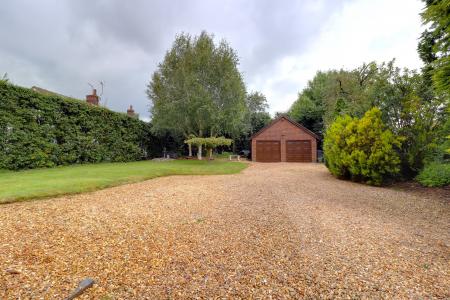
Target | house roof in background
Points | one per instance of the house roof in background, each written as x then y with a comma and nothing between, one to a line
47,92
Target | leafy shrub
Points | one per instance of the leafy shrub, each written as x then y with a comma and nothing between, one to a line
437,161
435,174
362,149
44,131
224,154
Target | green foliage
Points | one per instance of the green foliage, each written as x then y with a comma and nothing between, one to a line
223,155
407,102
410,109
308,113
213,142
259,120
44,131
362,149
256,118
331,94
439,149
437,163
198,89
435,174
210,143
256,102
28,184
4,78
257,115
434,44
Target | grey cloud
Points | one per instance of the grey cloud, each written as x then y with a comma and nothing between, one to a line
62,45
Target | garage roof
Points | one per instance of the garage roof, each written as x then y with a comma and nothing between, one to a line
289,120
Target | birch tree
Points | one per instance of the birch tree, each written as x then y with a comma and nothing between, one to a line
198,89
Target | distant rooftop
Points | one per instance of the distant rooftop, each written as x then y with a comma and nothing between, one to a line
92,99
47,92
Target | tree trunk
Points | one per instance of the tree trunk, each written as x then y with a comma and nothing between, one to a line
210,153
199,147
199,152
190,150
234,147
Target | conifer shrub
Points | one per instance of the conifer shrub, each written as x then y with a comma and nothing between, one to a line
362,150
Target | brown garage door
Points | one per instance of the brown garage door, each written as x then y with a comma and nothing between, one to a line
298,151
268,151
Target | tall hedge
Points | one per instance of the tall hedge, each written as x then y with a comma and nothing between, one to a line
44,131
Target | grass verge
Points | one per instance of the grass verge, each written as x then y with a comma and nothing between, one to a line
40,183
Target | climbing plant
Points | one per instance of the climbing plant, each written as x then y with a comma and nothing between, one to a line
210,144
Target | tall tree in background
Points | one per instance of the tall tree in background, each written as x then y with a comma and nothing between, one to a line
331,94
256,118
434,44
434,50
198,89
308,109
410,109
408,105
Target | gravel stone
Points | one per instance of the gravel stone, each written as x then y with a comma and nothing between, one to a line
274,231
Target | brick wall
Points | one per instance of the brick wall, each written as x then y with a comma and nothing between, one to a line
93,98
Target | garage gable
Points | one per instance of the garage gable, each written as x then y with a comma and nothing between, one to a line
279,127
284,140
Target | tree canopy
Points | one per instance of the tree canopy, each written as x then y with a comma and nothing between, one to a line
408,105
257,115
434,44
210,144
198,89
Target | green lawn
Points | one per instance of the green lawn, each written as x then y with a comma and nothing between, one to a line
22,185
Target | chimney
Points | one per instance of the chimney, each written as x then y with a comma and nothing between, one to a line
92,99
130,111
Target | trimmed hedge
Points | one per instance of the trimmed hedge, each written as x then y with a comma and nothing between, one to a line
44,131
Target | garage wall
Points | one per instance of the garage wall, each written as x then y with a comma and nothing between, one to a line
283,130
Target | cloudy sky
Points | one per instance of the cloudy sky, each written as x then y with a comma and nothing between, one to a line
62,45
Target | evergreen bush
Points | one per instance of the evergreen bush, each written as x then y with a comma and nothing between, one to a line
362,149
435,174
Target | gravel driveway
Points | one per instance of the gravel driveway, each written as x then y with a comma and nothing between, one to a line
273,231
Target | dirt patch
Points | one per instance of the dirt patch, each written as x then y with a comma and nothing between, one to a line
413,187
273,231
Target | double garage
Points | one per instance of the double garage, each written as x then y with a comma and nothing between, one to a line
284,140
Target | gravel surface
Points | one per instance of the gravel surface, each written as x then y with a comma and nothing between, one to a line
273,231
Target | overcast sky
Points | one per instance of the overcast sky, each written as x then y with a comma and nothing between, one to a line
61,45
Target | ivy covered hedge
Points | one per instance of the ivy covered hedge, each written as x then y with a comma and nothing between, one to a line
44,131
